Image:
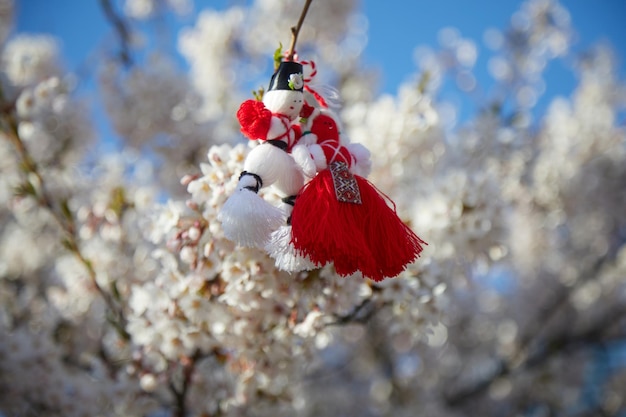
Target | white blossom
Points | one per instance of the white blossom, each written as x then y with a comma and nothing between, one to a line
120,295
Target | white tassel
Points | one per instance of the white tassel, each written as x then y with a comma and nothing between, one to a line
281,249
249,220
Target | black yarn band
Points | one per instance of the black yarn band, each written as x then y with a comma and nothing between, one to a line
278,143
259,181
291,200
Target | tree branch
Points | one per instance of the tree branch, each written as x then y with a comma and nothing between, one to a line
360,314
180,394
60,212
121,29
295,30
523,357
594,335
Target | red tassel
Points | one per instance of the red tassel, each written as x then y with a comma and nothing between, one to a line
324,229
393,244
367,237
255,119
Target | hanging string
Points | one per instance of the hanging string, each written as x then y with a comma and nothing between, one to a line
313,69
321,100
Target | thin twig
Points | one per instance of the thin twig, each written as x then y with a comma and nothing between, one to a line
180,394
122,31
360,314
295,30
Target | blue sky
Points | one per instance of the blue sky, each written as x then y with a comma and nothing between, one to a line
395,29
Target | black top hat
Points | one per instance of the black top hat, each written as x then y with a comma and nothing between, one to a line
288,76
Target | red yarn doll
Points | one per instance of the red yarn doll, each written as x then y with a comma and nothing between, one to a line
342,218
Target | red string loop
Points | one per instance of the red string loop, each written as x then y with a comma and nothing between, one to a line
313,66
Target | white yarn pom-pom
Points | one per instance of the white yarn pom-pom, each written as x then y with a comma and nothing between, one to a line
317,153
363,165
248,220
302,157
275,167
281,249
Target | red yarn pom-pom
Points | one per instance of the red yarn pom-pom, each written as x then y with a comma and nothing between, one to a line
255,119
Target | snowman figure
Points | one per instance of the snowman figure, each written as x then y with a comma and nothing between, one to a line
246,217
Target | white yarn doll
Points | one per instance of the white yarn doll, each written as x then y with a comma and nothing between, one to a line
247,218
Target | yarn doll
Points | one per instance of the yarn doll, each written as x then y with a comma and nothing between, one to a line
246,217
311,158
342,218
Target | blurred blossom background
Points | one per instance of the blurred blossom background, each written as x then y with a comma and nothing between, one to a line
498,130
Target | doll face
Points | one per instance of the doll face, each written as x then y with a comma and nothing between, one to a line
325,128
284,102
